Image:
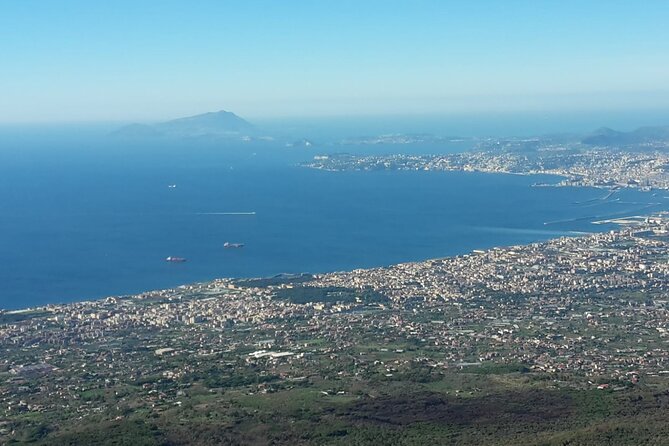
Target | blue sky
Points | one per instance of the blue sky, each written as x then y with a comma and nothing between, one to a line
150,60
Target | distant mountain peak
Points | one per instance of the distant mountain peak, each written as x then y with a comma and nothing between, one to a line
605,131
216,124
608,137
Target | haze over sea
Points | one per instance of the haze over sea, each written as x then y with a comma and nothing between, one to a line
82,220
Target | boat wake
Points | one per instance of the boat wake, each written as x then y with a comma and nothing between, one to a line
226,213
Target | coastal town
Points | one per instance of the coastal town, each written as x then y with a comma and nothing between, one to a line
580,313
604,168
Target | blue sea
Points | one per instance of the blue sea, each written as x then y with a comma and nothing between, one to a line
82,220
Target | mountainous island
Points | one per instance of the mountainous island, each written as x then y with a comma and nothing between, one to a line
221,124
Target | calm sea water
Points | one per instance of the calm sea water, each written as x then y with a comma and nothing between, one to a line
88,221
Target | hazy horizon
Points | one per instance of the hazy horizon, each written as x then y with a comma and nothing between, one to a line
325,128
78,61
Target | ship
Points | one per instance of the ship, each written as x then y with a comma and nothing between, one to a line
233,245
175,259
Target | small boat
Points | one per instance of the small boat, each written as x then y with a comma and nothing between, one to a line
233,245
172,186
175,259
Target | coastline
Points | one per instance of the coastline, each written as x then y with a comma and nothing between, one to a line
596,220
622,223
602,218
594,167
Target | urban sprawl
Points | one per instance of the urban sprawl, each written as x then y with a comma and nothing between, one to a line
590,311
602,168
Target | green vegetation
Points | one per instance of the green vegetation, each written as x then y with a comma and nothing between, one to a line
273,281
494,412
305,294
9,318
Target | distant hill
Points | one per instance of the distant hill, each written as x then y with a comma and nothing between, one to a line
609,137
215,124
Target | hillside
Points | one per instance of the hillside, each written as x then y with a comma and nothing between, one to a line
643,135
